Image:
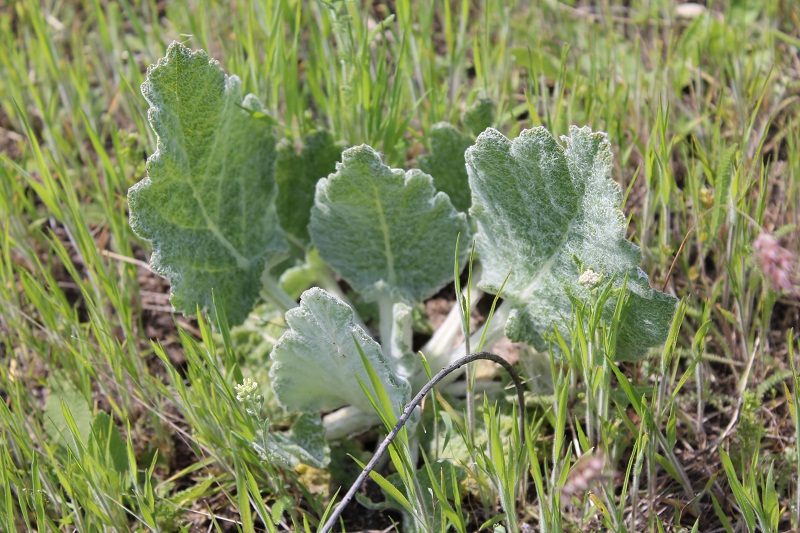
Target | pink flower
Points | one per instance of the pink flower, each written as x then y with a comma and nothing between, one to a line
778,264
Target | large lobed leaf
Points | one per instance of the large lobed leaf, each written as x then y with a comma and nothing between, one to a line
538,208
316,362
445,163
303,443
297,175
207,203
479,116
386,231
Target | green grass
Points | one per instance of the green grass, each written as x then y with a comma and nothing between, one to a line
116,416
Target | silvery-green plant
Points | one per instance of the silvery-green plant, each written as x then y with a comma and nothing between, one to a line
541,214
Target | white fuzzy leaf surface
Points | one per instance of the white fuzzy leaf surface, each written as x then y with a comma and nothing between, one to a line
207,203
316,362
538,208
386,231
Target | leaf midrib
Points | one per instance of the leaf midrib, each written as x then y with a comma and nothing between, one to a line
387,247
241,261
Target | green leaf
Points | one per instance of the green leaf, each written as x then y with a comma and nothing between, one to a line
207,203
539,208
744,499
64,394
304,442
390,489
446,163
432,501
312,271
297,175
106,443
316,364
387,232
479,116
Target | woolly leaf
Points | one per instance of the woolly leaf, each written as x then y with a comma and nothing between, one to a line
207,203
446,163
542,210
297,175
303,443
316,362
63,393
386,231
479,116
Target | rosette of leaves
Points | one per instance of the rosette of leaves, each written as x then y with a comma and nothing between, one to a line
542,212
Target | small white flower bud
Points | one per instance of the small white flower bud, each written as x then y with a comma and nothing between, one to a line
590,279
245,391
